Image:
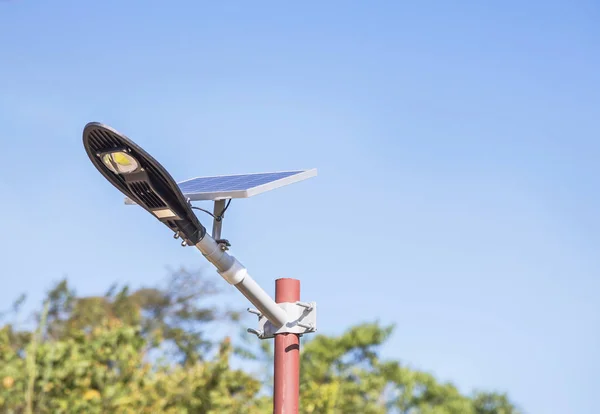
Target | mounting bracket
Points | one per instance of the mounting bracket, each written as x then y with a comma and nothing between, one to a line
302,319
218,216
218,223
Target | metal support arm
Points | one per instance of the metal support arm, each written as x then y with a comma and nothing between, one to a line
236,274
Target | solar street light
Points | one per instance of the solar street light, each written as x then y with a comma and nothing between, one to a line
147,183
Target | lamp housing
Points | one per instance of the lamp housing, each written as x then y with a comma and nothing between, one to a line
142,179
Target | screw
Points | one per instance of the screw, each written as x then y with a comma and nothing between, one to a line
308,326
308,306
254,311
255,332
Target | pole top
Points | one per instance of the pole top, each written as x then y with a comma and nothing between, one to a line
287,290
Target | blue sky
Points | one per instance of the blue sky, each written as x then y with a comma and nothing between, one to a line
456,143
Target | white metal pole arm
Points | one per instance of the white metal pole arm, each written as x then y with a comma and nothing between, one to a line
236,274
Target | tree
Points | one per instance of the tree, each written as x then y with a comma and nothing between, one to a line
345,374
92,355
173,315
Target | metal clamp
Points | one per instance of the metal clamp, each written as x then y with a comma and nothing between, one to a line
302,319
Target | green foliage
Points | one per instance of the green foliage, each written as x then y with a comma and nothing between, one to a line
93,355
344,374
105,371
172,316
492,403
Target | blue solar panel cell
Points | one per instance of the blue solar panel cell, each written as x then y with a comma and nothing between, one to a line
238,186
231,182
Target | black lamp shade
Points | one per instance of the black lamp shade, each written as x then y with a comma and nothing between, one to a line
148,183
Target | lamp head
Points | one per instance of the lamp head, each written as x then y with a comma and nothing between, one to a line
141,178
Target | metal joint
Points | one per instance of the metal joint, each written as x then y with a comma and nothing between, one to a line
301,316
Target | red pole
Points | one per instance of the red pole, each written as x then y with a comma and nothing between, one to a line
286,383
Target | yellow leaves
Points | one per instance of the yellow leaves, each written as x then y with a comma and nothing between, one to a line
114,323
91,395
321,398
157,335
8,382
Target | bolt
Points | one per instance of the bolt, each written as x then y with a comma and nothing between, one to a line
308,306
308,326
255,332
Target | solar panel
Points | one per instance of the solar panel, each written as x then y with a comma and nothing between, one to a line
239,185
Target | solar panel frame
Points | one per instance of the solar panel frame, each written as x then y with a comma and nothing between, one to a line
222,193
